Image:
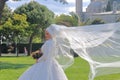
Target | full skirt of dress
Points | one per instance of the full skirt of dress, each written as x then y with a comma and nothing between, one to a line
44,70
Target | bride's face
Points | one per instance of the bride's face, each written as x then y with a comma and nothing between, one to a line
47,35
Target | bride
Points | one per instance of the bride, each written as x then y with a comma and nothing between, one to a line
47,67
97,44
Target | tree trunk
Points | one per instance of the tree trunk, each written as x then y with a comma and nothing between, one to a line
2,4
0,45
31,38
30,45
16,49
0,48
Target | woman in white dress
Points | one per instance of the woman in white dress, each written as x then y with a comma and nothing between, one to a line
99,45
47,68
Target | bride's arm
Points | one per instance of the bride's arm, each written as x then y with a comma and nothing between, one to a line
42,58
47,51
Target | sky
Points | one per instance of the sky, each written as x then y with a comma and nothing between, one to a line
57,7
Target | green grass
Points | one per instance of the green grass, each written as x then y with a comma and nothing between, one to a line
12,67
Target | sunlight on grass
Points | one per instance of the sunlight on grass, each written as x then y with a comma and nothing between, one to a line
12,67
78,71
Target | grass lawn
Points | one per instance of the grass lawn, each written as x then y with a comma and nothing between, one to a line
12,67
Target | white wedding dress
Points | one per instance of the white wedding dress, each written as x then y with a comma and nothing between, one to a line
99,45
47,67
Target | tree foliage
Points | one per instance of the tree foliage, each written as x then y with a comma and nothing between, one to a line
67,20
14,26
76,18
97,21
7,12
32,21
2,4
38,16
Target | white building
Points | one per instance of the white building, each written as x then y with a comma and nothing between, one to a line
97,9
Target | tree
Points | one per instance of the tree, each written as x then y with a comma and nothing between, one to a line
7,12
14,27
97,21
0,39
38,16
2,4
67,20
76,18
86,22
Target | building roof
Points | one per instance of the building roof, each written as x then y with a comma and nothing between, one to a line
110,12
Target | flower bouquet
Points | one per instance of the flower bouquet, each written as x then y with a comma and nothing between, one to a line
37,54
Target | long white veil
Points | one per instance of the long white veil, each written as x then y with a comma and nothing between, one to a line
97,44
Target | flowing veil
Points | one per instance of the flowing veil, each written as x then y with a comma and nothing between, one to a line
97,44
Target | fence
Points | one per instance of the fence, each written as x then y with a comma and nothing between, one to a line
20,47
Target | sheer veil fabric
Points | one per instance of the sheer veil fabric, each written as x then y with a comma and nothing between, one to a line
97,44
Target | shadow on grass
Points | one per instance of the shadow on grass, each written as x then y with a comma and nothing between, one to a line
4,65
